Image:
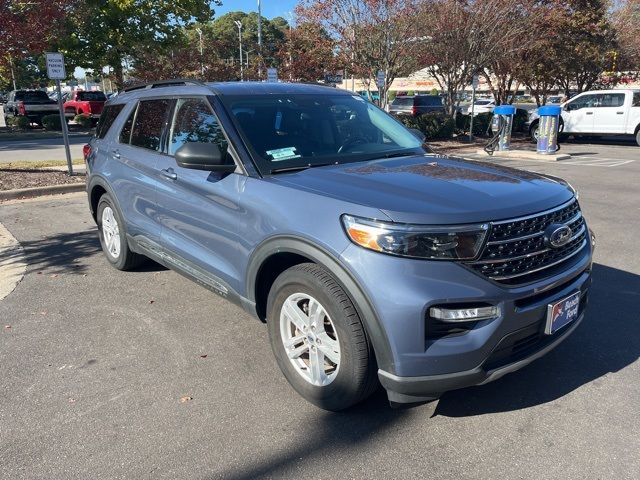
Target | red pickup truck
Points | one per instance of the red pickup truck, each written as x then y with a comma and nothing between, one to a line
85,103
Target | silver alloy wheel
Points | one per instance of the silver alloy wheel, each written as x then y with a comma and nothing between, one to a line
111,232
310,339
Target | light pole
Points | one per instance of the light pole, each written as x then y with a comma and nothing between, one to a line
239,25
199,31
259,40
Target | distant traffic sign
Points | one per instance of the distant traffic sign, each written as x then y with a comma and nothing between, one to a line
272,74
55,66
380,79
333,77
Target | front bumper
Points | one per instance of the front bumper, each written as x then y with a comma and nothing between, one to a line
422,367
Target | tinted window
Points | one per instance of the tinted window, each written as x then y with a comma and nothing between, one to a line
150,119
91,96
611,100
403,101
31,95
428,100
107,118
287,131
586,101
125,133
636,99
194,121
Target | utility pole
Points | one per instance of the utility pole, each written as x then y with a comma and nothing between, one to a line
239,25
259,40
199,31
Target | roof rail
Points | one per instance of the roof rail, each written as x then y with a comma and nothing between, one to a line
164,83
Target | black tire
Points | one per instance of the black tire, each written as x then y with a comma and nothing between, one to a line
533,132
638,137
356,377
126,259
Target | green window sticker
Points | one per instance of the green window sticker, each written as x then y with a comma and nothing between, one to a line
280,154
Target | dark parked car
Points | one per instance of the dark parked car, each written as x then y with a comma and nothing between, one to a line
33,104
416,105
370,260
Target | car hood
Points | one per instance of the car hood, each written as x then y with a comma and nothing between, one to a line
432,189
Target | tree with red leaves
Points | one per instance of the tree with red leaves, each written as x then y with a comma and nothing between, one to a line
29,27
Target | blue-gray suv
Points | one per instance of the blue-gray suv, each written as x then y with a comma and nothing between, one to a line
370,259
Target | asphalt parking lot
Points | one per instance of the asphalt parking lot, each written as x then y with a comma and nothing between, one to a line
144,374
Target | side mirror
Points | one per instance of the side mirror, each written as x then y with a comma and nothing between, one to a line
418,134
203,156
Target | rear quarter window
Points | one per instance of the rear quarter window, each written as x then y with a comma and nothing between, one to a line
636,99
107,118
403,101
431,101
150,120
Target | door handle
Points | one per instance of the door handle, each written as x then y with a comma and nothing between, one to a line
169,173
589,113
116,153
619,113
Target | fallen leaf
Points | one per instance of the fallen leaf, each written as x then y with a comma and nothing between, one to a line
39,273
44,312
54,275
151,301
72,400
185,399
7,326
203,356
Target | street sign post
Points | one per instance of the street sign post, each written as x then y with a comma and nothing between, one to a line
380,80
272,75
474,86
56,71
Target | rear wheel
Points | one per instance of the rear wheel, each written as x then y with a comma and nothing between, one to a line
638,137
113,236
318,339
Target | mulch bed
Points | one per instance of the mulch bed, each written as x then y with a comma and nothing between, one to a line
22,178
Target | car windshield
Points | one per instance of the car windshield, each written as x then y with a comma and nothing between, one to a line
295,131
91,96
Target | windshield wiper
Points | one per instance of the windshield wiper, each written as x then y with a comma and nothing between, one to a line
299,167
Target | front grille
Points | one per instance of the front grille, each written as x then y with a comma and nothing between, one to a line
516,251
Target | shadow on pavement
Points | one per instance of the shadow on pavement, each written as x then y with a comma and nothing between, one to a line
330,434
624,140
65,253
607,341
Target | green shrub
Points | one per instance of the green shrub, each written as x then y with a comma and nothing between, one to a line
391,96
519,120
433,125
51,122
435,91
481,124
411,93
19,122
84,121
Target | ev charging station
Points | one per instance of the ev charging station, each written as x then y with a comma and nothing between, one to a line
548,130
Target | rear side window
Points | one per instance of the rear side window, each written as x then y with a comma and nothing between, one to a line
611,100
149,122
636,99
107,118
31,95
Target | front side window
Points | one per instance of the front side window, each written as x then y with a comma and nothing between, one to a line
194,121
585,101
149,122
298,130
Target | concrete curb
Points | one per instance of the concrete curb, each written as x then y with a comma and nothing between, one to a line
12,262
525,155
20,193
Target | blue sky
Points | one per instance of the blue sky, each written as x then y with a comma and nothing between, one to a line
270,8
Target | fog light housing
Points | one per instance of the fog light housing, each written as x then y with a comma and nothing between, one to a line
464,314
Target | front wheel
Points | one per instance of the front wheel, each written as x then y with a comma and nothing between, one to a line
318,339
638,137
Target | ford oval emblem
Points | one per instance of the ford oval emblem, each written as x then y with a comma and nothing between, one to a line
557,235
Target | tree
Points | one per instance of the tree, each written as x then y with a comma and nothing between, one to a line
626,21
27,28
370,35
307,54
110,32
466,37
586,44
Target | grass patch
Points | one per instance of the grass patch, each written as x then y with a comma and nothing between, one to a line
25,165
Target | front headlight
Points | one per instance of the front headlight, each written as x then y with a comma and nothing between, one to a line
460,242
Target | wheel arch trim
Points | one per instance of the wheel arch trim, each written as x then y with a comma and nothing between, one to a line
301,246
